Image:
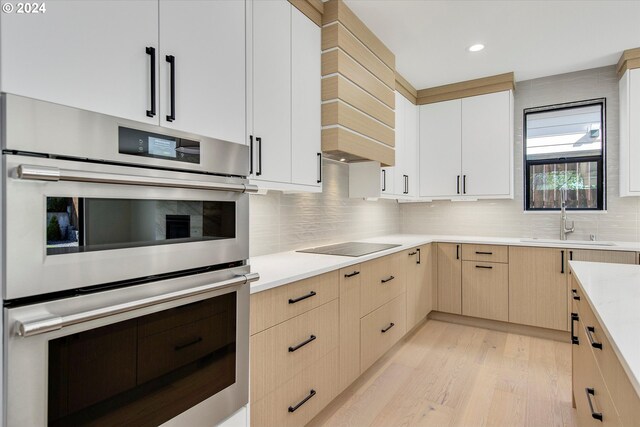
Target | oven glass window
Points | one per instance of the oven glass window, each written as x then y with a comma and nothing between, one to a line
144,371
90,224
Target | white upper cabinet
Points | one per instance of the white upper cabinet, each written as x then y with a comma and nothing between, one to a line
306,167
206,40
284,97
410,150
466,147
90,55
271,91
112,57
440,148
487,141
630,133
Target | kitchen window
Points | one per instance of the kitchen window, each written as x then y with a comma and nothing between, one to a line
564,148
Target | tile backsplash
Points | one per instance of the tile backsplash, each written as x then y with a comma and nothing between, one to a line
288,221
506,218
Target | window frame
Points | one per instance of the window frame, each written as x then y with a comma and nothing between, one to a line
601,160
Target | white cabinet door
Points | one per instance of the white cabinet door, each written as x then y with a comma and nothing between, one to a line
487,145
410,150
400,131
305,100
207,42
272,90
440,149
85,54
633,121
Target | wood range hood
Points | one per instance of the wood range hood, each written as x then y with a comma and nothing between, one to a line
358,84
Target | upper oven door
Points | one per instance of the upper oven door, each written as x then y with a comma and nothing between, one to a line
35,126
101,224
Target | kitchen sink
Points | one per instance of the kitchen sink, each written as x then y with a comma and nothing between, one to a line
569,242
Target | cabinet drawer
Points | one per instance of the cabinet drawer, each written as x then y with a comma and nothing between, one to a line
490,253
624,396
283,351
382,280
381,329
284,407
589,386
485,290
276,305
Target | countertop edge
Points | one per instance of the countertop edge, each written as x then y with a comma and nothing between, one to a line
623,361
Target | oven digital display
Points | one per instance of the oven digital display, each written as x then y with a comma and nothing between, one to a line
162,147
148,144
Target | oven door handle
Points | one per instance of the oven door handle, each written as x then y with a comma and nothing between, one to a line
47,173
54,323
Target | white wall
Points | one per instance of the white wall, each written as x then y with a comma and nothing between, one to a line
506,218
283,222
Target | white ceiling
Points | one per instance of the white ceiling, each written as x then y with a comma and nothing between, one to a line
532,38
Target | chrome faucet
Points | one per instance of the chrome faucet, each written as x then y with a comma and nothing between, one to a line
563,216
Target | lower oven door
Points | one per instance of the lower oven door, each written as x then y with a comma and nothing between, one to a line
71,224
173,352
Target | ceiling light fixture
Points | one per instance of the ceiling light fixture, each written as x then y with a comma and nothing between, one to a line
476,47
343,159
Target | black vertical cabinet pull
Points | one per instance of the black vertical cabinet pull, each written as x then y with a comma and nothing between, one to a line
458,185
406,184
562,262
570,255
384,180
319,168
250,154
172,82
595,415
419,253
259,142
574,337
457,251
464,184
151,51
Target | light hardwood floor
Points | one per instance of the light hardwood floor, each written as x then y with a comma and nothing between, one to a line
444,374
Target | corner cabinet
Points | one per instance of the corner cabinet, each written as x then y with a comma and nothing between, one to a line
284,100
630,133
127,73
466,148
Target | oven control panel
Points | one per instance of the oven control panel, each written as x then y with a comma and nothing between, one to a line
157,146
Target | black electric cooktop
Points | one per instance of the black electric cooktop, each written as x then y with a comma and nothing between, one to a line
353,249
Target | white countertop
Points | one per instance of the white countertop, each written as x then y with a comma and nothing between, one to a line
286,267
613,291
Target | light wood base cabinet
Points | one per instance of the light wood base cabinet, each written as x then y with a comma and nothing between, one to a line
349,324
300,399
420,277
538,287
382,280
485,290
449,278
381,329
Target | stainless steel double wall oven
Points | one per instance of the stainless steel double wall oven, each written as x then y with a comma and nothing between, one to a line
124,271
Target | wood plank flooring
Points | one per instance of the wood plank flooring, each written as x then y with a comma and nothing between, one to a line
444,374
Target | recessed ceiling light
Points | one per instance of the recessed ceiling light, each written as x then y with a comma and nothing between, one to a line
343,159
476,47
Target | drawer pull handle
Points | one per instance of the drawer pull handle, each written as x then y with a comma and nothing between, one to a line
413,253
575,294
295,300
591,392
355,273
483,266
391,325
594,343
388,279
484,253
574,337
302,344
312,393
189,344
